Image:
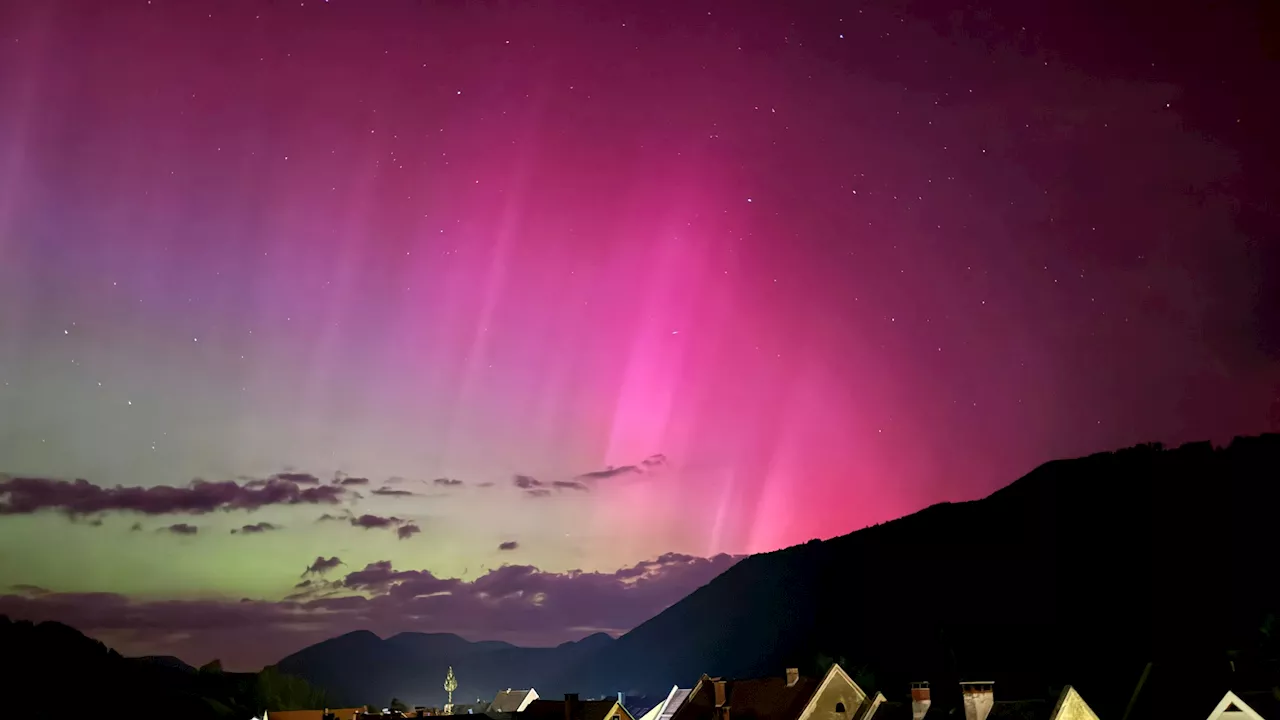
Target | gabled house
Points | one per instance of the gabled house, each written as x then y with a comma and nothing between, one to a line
788,696
976,701
512,701
1207,689
571,708
667,708
1233,707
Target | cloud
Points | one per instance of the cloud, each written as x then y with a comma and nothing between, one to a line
28,495
180,529
28,589
296,477
136,527
508,545
484,484
354,481
569,485
653,463
655,460
321,566
369,522
374,522
515,603
392,492
448,482
531,485
609,472
255,528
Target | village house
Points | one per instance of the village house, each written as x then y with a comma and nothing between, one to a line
571,708
978,702
667,708
512,701
837,697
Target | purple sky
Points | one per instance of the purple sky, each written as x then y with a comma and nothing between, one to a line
480,294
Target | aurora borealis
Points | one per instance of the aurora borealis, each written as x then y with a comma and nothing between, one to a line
431,288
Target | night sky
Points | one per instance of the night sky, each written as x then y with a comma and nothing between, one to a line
322,299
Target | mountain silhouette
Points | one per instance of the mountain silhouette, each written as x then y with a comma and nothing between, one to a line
1083,572
50,662
359,667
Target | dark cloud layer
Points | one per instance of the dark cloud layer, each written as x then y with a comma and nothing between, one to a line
26,495
526,482
297,477
371,522
404,528
650,464
448,482
354,481
610,472
260,527
393,492
321,566
508,545
515,603
568,485
181,529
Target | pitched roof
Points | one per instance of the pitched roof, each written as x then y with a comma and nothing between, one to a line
1069,700
1264,702
507,701
582,710
1264,705
674,701
1194,691
756,699
668,705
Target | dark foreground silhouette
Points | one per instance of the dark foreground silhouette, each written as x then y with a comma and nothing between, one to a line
51,664
1083,572
1144,567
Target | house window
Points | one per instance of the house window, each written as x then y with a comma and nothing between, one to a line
839,708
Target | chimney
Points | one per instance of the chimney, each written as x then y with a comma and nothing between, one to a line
979,697
570,705
719,686
620,698
793,676
920,700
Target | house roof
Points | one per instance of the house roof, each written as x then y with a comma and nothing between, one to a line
1195,691
1266,704
1000,710
582,710
507,701
767,698
673,702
